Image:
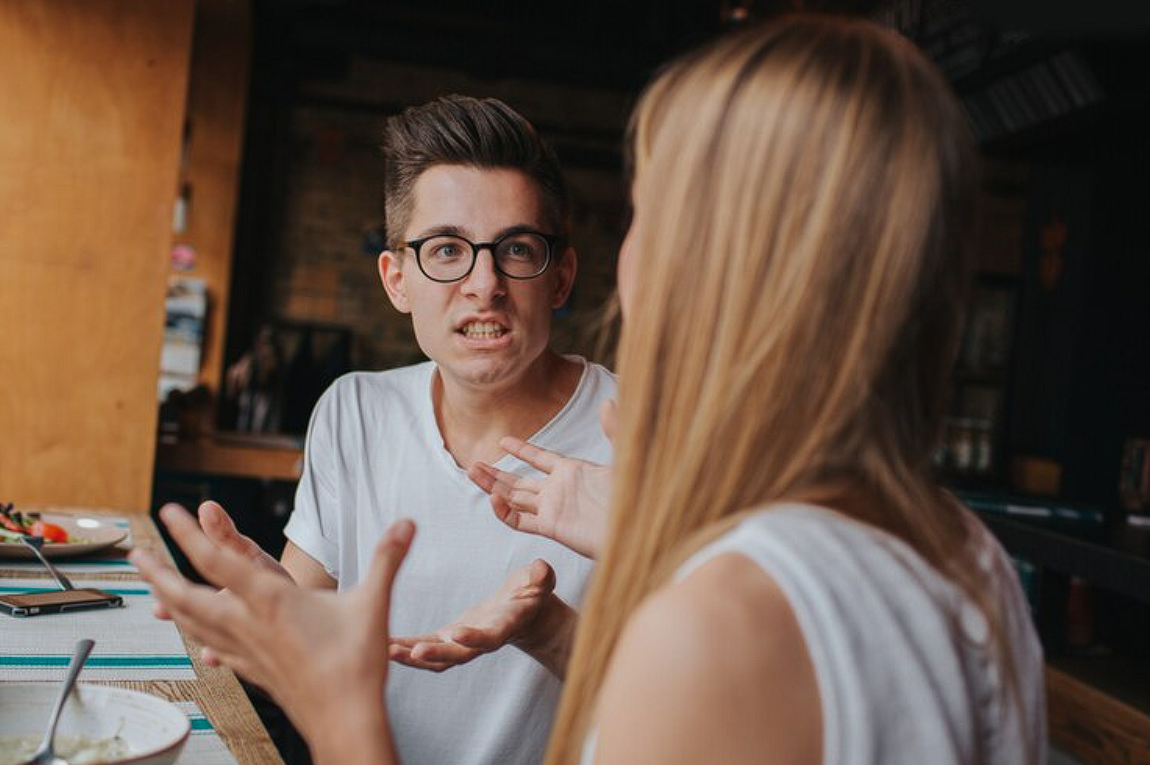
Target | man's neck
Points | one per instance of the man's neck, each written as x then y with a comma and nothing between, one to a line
472,419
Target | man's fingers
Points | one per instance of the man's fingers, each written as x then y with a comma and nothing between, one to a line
522,493
209,657
483,475
411,641
609,418
404,657
520,521
540,459
443,653
523,501
540,575
475,638
536,577
496,481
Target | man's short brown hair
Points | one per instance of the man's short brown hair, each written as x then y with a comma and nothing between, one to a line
474,132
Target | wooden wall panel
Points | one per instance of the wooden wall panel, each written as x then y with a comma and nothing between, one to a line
91,109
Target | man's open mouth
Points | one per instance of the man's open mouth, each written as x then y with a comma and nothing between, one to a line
483,330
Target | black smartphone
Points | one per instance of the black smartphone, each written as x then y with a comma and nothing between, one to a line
57,601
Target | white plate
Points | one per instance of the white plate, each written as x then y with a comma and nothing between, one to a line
95,533
153,730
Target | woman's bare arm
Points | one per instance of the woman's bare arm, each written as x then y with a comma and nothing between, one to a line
713,668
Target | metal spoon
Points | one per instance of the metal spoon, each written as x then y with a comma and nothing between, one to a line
35,543
46,754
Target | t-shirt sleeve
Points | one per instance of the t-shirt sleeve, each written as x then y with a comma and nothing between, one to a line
314,523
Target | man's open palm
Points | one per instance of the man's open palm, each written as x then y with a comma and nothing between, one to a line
504,618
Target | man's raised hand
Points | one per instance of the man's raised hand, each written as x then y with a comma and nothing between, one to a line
570,504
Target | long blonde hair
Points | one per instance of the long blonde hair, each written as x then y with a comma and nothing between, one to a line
805,193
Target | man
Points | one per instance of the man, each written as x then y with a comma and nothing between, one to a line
476,218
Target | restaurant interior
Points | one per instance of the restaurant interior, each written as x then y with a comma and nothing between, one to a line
191,210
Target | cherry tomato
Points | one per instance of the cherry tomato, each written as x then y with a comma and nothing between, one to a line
50,531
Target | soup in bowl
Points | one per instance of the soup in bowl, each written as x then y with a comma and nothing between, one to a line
100,724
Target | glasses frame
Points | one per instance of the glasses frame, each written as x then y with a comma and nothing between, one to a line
550,240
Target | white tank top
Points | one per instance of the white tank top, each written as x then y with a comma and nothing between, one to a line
905,671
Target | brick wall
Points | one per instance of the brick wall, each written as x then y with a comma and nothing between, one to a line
324,268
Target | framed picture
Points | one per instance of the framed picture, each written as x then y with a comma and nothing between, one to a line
986,342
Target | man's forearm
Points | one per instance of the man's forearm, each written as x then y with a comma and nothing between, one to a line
551,637
305,570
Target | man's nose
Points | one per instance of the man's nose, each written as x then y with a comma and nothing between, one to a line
484,281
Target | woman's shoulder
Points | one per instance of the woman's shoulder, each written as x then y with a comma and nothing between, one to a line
712,667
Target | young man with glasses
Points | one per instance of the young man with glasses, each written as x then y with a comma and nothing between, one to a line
477,255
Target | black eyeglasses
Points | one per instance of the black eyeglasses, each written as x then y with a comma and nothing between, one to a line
517,255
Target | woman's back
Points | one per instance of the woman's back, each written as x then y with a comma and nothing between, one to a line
902,660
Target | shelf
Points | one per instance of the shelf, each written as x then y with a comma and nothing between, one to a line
1112,554
245,457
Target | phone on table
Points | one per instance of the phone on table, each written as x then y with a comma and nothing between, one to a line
57,601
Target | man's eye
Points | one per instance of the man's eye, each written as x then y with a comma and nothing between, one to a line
519,250
446,251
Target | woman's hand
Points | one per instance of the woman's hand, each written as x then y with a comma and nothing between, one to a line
570,505
219,527
315,651
525,613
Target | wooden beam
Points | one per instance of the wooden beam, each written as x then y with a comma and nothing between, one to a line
217,101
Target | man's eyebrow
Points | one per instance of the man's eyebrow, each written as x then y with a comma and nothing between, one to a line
519,228
448,229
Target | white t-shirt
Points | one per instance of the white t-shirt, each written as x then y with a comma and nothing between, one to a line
375,454
901,657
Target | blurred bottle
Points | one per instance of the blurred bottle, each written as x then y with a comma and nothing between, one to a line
1079,615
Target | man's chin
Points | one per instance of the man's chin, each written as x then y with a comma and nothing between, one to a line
486,370
487,375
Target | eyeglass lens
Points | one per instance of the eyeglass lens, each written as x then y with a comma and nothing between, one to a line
520,256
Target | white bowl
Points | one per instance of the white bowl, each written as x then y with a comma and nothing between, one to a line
153,730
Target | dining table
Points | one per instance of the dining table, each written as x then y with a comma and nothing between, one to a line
224,724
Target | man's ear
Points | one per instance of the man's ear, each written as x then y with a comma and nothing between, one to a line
392,276
564,276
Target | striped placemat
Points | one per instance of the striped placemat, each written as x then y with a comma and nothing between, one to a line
131,643
113,562
204,747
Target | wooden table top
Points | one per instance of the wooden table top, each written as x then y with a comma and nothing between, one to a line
215,690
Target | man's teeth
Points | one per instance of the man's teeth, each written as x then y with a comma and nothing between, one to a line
483,329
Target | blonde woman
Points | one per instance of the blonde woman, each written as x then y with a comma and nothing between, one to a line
782,582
